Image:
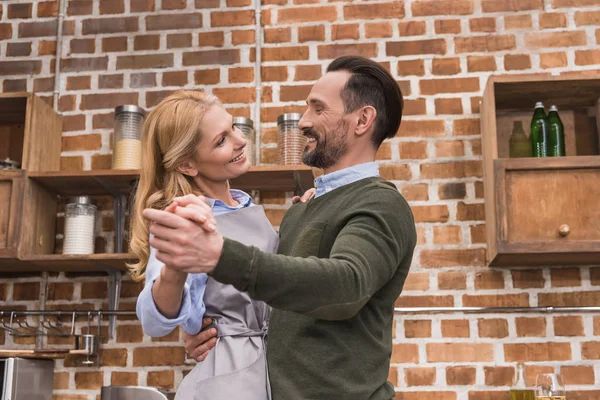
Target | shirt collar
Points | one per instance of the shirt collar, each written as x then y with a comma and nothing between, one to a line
240,196
326,183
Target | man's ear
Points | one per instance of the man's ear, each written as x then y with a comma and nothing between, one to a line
366,120
188,168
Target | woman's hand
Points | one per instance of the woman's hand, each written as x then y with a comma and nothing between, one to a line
309,194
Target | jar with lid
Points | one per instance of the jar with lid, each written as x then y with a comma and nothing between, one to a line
80,222
127,144
246,125
290,141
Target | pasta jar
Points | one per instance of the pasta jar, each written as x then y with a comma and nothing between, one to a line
246,125
127,150
290,141
80,221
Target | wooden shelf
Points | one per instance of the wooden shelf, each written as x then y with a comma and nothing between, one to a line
105,182
76,263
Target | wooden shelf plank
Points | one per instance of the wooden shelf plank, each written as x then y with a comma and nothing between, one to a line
78,263
547,163
101,182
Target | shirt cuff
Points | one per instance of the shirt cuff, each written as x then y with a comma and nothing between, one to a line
154,323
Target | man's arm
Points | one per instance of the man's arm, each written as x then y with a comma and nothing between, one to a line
365,256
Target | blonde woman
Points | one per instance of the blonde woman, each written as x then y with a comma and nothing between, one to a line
191,147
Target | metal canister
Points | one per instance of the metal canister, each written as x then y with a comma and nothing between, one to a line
290,141
127,150
246,125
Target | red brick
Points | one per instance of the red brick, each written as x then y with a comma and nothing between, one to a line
470,212
14,85
214,39
482,24
425,301
411,67
47,47
416,47
424,376
84,64
40,29
457,169
540,40
416,281
590,351
417,328
458,85
66,102
530,327
112,7
577,375
445,66
232,18
114,44
449,148
141,80
414,107
239,3
517,62
398,172
146,42
493,300
512,22
585,18
179,40
173,4
461,376
118,378
455,328
90,380
311,34
411,28
80,7
466,127
590,298
161,379
175,78
107,100
19,11
554,20
367,11
413,150
415,192
568,326
405,353
511,5
242,37
43,85
83,46
241,75
452,257
79,82
29,67
532,352
26,291
493,328
422,128
378,30
338,50
306,14
166,21
554,60
595,276
278,35
499,376
487,43
212,57
452,280
442,7
145,61
275,74
478,234
346,31
528,278
47,9
110,25
285,53
235,95
294,93
565,277
481,63
574,3
459,352
448,106
18,49
587,57
114,81
444,26
207,3
71,164
489,280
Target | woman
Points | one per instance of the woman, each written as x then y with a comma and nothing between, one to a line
189,146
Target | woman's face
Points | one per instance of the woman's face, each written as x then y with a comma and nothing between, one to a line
220,154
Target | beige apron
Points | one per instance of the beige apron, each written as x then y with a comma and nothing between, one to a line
236,368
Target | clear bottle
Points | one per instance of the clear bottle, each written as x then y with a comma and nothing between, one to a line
519,389
519,143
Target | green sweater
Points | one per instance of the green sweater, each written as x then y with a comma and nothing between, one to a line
343,260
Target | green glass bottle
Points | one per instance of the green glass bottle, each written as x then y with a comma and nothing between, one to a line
556,134
519,144
539,132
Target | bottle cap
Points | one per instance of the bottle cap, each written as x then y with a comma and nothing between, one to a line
539,104
553,108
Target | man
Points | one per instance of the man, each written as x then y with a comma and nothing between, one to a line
343,256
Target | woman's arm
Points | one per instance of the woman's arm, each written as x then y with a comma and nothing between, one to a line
167,291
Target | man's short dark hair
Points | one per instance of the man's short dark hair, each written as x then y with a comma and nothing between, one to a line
371,85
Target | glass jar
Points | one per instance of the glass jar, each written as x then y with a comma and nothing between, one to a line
127,144
246,125
290,141
80,222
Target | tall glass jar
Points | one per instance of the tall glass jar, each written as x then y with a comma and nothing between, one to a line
80,221
290,141
246,125
127,144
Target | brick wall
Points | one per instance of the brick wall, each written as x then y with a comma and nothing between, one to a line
137,51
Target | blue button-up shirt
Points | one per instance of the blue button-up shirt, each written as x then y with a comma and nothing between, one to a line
326,183
192,304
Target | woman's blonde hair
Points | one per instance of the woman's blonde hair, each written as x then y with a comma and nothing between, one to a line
170,138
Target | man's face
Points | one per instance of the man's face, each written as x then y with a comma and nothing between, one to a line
324,122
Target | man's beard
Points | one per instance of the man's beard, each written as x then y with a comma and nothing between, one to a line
329,148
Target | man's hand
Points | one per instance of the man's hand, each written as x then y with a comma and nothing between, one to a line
198,346
181,243
309,194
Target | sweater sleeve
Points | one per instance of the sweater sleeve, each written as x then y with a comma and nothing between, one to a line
365,256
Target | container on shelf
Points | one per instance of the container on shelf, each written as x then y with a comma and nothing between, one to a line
80,221
246,125
9,165
127,150
290,141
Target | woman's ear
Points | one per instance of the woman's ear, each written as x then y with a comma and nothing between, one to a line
188,168
366,120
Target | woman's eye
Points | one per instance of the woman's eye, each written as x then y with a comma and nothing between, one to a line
221,141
